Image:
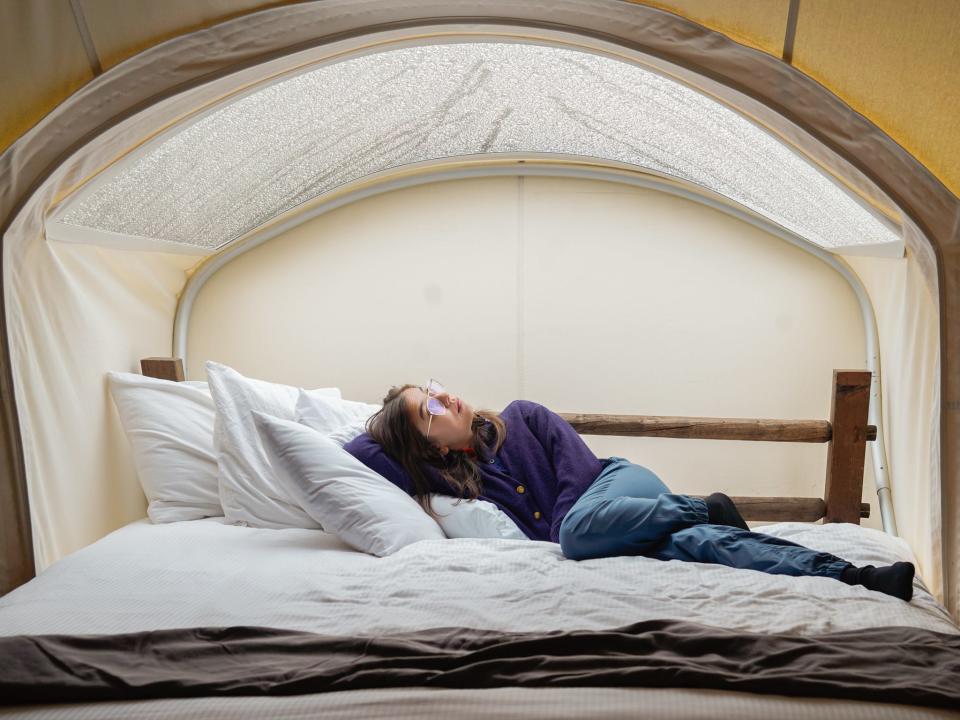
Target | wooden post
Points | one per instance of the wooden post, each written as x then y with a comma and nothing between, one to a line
163,368
845,456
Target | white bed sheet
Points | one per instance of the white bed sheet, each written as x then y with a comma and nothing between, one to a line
204,572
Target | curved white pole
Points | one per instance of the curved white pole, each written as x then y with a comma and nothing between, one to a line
436,171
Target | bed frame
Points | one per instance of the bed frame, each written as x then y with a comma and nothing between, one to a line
846,432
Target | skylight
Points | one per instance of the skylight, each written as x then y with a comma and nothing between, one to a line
289,142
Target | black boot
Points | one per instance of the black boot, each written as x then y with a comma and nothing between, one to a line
896,579
722,511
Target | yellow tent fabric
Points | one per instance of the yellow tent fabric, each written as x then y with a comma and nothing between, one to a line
894,62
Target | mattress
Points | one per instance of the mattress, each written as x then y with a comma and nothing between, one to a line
207,573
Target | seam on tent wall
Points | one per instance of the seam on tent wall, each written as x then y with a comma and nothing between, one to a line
85,38
791,33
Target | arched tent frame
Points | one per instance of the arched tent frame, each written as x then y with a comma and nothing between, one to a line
457,168
801,112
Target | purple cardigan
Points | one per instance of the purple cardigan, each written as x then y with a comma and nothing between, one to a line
542,469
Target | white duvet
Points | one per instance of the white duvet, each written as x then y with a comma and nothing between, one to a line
206,573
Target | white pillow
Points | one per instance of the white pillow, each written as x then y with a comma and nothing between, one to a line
250,492
170,429
340,493
473,519
339,420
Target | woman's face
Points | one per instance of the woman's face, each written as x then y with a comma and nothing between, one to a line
450,431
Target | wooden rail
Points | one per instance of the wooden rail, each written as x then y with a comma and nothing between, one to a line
846,432
804,431
785,509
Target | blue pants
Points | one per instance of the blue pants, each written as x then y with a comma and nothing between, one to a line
629,511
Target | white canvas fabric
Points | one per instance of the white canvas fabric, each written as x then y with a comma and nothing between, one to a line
909,332
340,493
249,489
80,312
170,428
340,420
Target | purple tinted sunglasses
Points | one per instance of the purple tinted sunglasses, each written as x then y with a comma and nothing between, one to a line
434,406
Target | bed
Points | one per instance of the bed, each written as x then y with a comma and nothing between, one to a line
146,579
205,573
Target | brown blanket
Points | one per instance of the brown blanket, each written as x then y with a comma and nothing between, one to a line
898,665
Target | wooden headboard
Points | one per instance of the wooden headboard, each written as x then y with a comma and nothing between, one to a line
846,432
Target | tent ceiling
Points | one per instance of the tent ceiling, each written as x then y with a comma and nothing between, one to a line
220,176
894,62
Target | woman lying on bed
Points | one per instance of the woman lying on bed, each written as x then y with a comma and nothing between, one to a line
534,466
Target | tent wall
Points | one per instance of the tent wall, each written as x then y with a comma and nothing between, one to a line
909,334
82,310
586,296
789,103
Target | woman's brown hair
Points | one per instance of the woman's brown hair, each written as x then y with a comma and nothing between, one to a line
391,428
